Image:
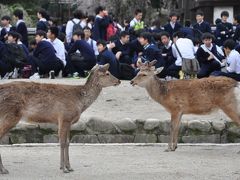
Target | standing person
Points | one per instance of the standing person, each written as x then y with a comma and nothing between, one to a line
76,24
6,27
42,23
137,23
58,45
233,61
201,25
224,29
21,27
236,35
100,24
173,25
89,40
209,55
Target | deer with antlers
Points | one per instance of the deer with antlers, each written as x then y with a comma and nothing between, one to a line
195,96
51,103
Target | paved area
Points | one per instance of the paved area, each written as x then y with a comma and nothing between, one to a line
123,162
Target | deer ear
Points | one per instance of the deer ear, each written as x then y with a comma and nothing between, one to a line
158,70
104,67
152,63
95,67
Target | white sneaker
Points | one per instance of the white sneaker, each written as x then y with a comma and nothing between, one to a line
52,75
34,76
15,74
7,75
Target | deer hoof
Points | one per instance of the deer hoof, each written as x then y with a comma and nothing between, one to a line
4,171
70,169
66,171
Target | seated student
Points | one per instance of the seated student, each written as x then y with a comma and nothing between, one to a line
173,25
85,59
121,49
58,46
224,29
5,66
186,48
21,27
236,36
150,50
105,56
89,40
209,56
233,61
44,58
166,48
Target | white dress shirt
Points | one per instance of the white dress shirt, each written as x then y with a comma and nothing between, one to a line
93,44
186,49
69,28
60,49
233,61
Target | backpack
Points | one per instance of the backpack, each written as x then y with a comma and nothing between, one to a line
111,31
76,26
15,55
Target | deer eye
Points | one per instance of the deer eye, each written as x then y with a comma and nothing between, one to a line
107,74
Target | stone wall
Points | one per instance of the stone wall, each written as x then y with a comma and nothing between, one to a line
97,130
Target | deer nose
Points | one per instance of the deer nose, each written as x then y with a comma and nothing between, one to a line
131,82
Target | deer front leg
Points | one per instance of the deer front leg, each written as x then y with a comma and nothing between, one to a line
64,129
66,153
174,130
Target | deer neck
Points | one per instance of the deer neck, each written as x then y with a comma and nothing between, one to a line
90,92
156,88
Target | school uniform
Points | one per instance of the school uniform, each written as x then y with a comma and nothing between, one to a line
99,28
21,28
227,28
202,27
172,28
124,49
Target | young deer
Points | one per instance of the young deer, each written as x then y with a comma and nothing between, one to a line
196,96
51,103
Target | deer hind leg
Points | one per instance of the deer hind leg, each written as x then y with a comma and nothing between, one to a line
6,123
64,132
230,109
174,130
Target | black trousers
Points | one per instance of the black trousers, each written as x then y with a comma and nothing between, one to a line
227,74
173,70
207,69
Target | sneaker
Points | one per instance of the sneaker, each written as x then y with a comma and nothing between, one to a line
34,76
7,75
51,75
76,75
15,74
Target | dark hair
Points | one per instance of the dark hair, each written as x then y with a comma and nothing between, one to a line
79,33
147,36
164,33
207,36
78,14
43,13
225,13
90,18
137,11
18,13
230,44
124,33
102,42
173,14
178,34
41,33
62,37
200,13
87,28
237,18
187,23
14,35
54,30
6,18
99,9
33,42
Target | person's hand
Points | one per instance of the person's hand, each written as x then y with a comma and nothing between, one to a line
105,13
118,54
139,62
210,57
224,62
140,53
223,32
133,65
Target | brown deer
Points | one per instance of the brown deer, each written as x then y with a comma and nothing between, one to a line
195,96
51,103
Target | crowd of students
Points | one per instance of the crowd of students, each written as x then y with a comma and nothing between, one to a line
72,50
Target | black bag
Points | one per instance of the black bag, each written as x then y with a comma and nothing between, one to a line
127,72
76,26
15,55
76,57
